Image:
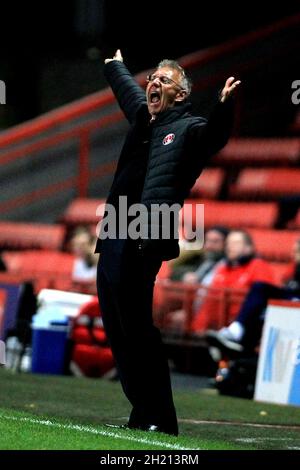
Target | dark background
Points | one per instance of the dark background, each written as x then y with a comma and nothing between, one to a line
52,52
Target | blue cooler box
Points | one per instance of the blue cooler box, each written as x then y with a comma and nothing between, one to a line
49,348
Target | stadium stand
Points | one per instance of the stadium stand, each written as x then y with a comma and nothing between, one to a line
247,152
274,245
267,183
15,235
209,184
280,270
45,268
234,214
83,211
88,134
39,262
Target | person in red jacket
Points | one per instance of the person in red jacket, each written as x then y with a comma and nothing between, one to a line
239,271
244,333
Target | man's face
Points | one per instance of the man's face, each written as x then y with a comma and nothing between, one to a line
236,246
214,242
80,245
161,96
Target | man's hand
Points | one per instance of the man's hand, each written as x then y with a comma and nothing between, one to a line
117,56
190,277
230,86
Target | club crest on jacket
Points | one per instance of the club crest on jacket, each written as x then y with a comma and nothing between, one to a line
168,139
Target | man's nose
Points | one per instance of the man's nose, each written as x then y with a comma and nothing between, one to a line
156,81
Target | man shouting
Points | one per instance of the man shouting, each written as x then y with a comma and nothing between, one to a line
165,151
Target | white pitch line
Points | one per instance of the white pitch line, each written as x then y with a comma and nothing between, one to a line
236,423
89,429
231,423
250,440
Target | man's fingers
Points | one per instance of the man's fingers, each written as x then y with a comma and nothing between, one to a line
230,86
118,55
230,89
229,81
234,85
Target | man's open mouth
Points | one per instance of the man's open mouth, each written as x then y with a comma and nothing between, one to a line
154,97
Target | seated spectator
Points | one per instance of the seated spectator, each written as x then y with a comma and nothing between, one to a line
239,271
190,256
213,257
244,333
82,246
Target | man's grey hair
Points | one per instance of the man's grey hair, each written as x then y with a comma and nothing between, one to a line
186,82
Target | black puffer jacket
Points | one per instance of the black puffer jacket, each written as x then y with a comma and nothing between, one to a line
179,147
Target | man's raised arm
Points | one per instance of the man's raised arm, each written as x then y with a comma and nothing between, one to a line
213,136
129,94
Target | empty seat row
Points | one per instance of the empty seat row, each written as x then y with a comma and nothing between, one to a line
39,261
84,211
16,235
267,183
260,152
274,245
231,214
209,184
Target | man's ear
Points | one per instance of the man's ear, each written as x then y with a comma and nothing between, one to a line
181,96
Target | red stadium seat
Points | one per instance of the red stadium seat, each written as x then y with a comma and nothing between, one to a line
249,152
84,212
17,235
266,183
234,214
40,281
47,269
274,244
209,184
280,270
39,262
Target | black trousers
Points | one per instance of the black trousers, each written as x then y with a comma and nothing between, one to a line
125,282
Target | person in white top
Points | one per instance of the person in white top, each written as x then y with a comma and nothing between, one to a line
85,264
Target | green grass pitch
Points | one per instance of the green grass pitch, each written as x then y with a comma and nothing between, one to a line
54,412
